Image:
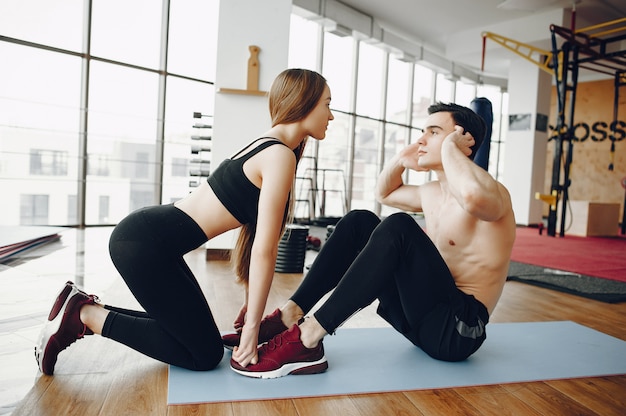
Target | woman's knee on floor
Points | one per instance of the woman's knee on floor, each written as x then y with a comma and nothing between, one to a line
208,361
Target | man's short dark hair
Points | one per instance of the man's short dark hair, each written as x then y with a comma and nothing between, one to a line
466,118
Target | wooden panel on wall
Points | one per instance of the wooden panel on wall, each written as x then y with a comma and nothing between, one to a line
591,179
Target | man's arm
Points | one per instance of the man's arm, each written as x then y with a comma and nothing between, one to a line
391,190
473,187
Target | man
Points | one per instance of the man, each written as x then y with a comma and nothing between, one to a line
437,287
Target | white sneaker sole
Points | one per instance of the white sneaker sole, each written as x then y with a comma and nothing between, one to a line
312,367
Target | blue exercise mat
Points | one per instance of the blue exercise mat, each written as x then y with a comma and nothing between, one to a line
381,360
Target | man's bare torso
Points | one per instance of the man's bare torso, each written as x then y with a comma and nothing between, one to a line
476,252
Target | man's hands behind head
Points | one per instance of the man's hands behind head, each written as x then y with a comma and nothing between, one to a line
409,157
462,139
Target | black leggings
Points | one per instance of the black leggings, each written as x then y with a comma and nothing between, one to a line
177,327
396,262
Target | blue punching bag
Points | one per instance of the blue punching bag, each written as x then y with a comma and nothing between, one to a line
482,107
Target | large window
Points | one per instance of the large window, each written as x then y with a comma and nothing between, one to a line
423,88
182,156
398,113
127,31
192,38
338,70
380,104
122,130
444,89
39,139
87,136
57,23
332,169
398,91
303,43
464,93
369,128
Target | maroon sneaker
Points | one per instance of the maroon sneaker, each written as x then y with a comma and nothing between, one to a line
63,327
270,326
283,355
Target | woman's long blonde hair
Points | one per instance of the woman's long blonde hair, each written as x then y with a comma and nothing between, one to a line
293,95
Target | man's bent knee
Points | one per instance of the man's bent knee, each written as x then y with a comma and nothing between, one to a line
399,222
360,218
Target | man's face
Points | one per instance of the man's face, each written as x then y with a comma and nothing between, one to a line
437,127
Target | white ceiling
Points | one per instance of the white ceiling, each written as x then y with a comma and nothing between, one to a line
452,28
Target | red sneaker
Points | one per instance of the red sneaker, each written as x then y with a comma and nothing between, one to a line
270,326
63,327
283,355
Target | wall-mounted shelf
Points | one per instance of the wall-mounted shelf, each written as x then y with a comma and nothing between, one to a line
241,92
252,82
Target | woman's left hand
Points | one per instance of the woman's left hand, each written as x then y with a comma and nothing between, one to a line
247,351
240,320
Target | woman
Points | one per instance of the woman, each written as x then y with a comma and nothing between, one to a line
251,190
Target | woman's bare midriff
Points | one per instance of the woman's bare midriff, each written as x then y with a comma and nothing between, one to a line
203,206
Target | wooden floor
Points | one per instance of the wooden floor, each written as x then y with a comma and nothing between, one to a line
97,376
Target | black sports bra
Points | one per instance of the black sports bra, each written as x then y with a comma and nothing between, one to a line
233,188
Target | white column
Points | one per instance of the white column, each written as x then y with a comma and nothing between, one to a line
525,152
240,117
